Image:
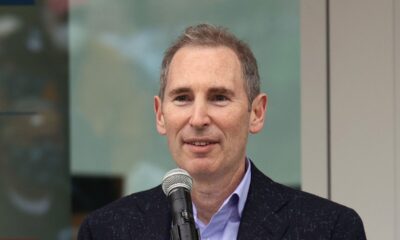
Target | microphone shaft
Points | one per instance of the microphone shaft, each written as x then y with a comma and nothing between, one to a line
183,225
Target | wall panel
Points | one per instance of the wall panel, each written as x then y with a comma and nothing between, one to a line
362,111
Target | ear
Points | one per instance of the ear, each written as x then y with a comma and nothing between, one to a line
160,124
258,112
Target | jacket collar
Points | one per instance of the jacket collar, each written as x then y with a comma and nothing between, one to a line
262,214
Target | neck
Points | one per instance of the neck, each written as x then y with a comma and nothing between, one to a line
209,194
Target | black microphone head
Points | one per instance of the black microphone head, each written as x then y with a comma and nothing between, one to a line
176,178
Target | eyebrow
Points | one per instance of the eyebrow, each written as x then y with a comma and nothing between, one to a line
178,91
213,90
221,90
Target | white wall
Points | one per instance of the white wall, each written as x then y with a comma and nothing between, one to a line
364,102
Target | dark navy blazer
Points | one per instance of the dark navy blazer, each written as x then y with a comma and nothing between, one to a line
272,211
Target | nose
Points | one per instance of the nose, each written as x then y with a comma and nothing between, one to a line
200,117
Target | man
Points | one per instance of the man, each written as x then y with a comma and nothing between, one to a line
209,101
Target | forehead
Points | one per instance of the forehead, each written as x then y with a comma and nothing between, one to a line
200,64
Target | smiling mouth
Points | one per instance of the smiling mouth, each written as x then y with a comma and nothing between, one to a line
200,143
200,148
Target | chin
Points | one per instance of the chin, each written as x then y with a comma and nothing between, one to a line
199,168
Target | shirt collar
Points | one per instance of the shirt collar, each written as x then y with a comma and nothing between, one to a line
240,192
243,188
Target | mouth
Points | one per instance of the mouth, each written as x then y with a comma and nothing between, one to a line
197,145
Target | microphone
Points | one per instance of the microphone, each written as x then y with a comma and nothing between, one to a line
176,185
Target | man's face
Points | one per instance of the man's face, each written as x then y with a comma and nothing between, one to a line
205,113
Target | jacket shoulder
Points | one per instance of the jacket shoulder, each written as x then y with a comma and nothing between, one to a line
308,204
125,207
308,215
300,202
117,219
310,210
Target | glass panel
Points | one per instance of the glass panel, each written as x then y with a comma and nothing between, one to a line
115,65
34,171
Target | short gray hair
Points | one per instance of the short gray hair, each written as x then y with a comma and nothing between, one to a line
212,36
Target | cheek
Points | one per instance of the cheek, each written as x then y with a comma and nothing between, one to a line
234,125
174,122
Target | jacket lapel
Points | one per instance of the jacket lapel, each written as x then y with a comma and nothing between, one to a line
263,216
157,217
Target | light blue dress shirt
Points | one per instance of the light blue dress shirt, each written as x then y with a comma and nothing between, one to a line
224,224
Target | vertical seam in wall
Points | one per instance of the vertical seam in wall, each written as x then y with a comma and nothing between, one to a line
395,8
328,102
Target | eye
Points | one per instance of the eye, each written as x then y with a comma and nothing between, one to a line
219,98
181,99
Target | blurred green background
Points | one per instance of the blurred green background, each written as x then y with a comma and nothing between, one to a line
115,56
77,80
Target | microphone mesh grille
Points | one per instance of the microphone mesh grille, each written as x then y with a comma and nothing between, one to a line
176,178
